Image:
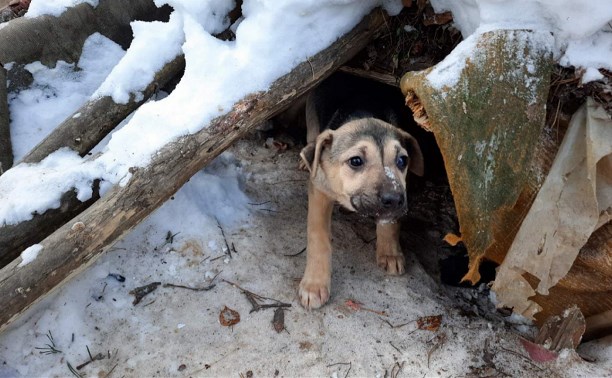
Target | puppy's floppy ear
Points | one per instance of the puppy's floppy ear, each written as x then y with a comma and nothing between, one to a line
417,165
311,154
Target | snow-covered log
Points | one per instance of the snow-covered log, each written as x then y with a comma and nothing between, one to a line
80,132
95,120
78,243
48,39
97,117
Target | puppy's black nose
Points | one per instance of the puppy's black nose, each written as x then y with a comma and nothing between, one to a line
391,199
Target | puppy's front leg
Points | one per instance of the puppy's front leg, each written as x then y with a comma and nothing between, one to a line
315,286
389,254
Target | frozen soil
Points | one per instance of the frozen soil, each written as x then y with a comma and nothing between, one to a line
177,332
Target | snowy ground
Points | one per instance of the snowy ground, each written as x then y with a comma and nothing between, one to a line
255,199
259,198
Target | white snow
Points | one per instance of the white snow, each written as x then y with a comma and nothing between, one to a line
581,29
58,92
30,254
56,174
182,241
54,7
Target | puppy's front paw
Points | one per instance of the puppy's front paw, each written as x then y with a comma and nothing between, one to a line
393,264
313,293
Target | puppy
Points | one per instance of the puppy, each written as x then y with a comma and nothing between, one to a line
357,157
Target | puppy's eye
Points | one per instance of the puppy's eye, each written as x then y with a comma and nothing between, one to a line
355,161
401,162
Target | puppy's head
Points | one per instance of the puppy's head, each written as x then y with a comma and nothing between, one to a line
363,165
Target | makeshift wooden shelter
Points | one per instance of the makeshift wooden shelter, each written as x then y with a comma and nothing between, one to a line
489,120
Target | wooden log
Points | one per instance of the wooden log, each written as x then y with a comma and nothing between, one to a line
82,133
96,119
49,39
6,149
77,244
86,127
17,237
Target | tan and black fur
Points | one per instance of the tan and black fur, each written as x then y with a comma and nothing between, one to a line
358,157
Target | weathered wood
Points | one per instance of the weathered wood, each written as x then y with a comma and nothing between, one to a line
48,39
81,132
15,238
86,127
95,120
384,78
487,126
79,243
562,331
6,149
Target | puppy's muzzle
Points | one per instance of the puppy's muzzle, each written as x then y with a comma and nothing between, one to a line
384,205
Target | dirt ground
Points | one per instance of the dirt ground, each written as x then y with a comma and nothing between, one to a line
374,325
379,337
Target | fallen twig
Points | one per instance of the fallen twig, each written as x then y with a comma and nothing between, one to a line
228,251
49,348
526,358
397,367
142,291
97,357
394,347
254,299
74,372
396,326
440,339
296,254
111,371
350,365
357,306
218,257
206,288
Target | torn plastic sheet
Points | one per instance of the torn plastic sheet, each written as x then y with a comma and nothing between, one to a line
574,201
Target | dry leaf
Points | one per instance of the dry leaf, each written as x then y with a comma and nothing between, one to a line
537,352
278,321
228,317
429,323
353,305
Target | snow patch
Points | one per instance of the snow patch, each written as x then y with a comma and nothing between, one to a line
58,92
581,29
30,254
391,176
54,7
